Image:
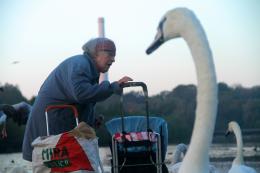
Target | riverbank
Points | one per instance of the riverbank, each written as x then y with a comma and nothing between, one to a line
221,156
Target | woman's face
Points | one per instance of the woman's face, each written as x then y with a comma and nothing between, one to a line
104,60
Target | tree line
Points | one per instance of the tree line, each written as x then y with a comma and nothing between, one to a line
177,107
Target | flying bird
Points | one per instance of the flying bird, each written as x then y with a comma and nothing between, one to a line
15,62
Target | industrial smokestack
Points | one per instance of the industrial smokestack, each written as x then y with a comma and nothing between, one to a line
101,33
101,27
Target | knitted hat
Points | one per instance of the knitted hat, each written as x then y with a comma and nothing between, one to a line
99,44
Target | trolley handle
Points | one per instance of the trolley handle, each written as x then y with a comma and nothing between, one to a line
74,109
135,84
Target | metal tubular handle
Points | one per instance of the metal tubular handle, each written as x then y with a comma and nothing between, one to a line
135,84
74,109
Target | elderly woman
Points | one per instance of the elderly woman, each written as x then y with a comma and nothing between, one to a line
74,81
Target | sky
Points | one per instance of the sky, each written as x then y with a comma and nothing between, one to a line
40,34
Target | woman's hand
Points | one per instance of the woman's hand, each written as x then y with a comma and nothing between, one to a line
124,80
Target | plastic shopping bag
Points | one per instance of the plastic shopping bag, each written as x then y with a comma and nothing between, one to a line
65,153
75,151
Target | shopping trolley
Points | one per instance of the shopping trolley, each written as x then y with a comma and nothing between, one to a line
139,143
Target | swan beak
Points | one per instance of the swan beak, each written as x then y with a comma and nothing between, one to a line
227,133
158,41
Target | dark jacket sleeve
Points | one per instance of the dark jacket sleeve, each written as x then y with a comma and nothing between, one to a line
85,89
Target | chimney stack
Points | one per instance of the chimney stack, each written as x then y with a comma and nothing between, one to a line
101,33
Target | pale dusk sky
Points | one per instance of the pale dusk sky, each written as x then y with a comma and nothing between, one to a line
40,34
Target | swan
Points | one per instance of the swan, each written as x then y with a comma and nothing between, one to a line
238,165
177,158
182,22
178,155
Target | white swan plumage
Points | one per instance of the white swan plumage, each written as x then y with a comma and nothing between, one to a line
179,153
177,158
182,22
238,165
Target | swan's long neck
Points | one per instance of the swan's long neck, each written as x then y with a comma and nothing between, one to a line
239,157
197,154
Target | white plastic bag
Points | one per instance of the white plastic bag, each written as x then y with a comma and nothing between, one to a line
75,151
66,153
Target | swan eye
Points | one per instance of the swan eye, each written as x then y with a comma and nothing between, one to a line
160,27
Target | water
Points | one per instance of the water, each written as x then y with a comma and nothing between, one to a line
221,157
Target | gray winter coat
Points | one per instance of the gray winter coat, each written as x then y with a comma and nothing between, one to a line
74,81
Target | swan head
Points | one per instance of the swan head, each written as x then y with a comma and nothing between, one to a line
182,148
179,153
231,126
175,23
